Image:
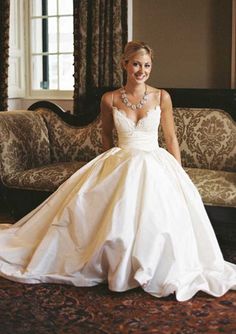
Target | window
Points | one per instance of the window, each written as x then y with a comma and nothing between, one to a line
41,49
51,45
16,74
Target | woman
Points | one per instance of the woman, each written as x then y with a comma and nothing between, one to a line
130,217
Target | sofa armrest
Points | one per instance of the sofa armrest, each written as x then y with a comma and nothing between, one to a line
24,141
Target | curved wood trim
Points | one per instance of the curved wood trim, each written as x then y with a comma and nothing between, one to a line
70,119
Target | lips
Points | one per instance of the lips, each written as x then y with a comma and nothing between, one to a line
139,77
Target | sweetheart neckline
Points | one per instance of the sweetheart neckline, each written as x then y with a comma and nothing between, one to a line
122,112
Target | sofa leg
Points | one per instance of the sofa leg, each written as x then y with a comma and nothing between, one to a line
223,220
4,204
20,201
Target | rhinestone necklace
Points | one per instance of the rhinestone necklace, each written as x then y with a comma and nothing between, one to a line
126,101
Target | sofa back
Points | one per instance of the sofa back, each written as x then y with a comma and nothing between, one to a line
207,138
72,143
29,139
24,141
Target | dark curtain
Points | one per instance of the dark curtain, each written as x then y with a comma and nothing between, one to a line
100,33
4,51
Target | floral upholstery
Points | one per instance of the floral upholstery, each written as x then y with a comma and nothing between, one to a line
44,178
39,151
24,142
217,188
32,155
207,138
70,143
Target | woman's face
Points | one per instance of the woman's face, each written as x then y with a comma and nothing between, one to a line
139,67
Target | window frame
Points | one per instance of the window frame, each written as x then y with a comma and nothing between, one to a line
38,93
16,74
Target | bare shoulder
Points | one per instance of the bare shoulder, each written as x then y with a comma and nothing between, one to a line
165,99
165,95
108,97
154,94
152,90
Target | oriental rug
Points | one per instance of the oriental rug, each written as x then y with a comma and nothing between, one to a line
59,309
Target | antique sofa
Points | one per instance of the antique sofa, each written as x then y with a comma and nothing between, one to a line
40,149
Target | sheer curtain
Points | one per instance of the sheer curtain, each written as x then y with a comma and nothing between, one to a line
100,33
4,51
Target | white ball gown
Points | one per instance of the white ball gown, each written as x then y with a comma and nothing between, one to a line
130,217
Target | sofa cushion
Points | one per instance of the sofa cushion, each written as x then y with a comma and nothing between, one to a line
45,178
70,143
24,141
217,188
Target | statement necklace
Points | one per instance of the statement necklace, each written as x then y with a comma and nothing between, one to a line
126,101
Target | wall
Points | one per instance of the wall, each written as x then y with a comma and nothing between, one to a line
191,40
22,104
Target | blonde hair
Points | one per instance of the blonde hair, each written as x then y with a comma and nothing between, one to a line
133,47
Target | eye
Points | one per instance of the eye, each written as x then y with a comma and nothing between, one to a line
135,64
147,65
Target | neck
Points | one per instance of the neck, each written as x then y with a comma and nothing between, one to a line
135,90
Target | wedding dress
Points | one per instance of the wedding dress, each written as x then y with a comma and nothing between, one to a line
130,217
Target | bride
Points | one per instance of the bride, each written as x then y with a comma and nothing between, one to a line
130,217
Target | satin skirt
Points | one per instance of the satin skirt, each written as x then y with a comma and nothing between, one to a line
128,218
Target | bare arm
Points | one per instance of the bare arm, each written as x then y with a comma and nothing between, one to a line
107,121
168,127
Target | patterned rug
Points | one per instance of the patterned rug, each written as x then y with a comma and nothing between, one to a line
59,309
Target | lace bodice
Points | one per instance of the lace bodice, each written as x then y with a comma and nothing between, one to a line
142,135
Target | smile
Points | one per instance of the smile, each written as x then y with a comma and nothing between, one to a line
140,77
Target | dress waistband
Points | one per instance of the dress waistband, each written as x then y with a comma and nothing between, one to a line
145,142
